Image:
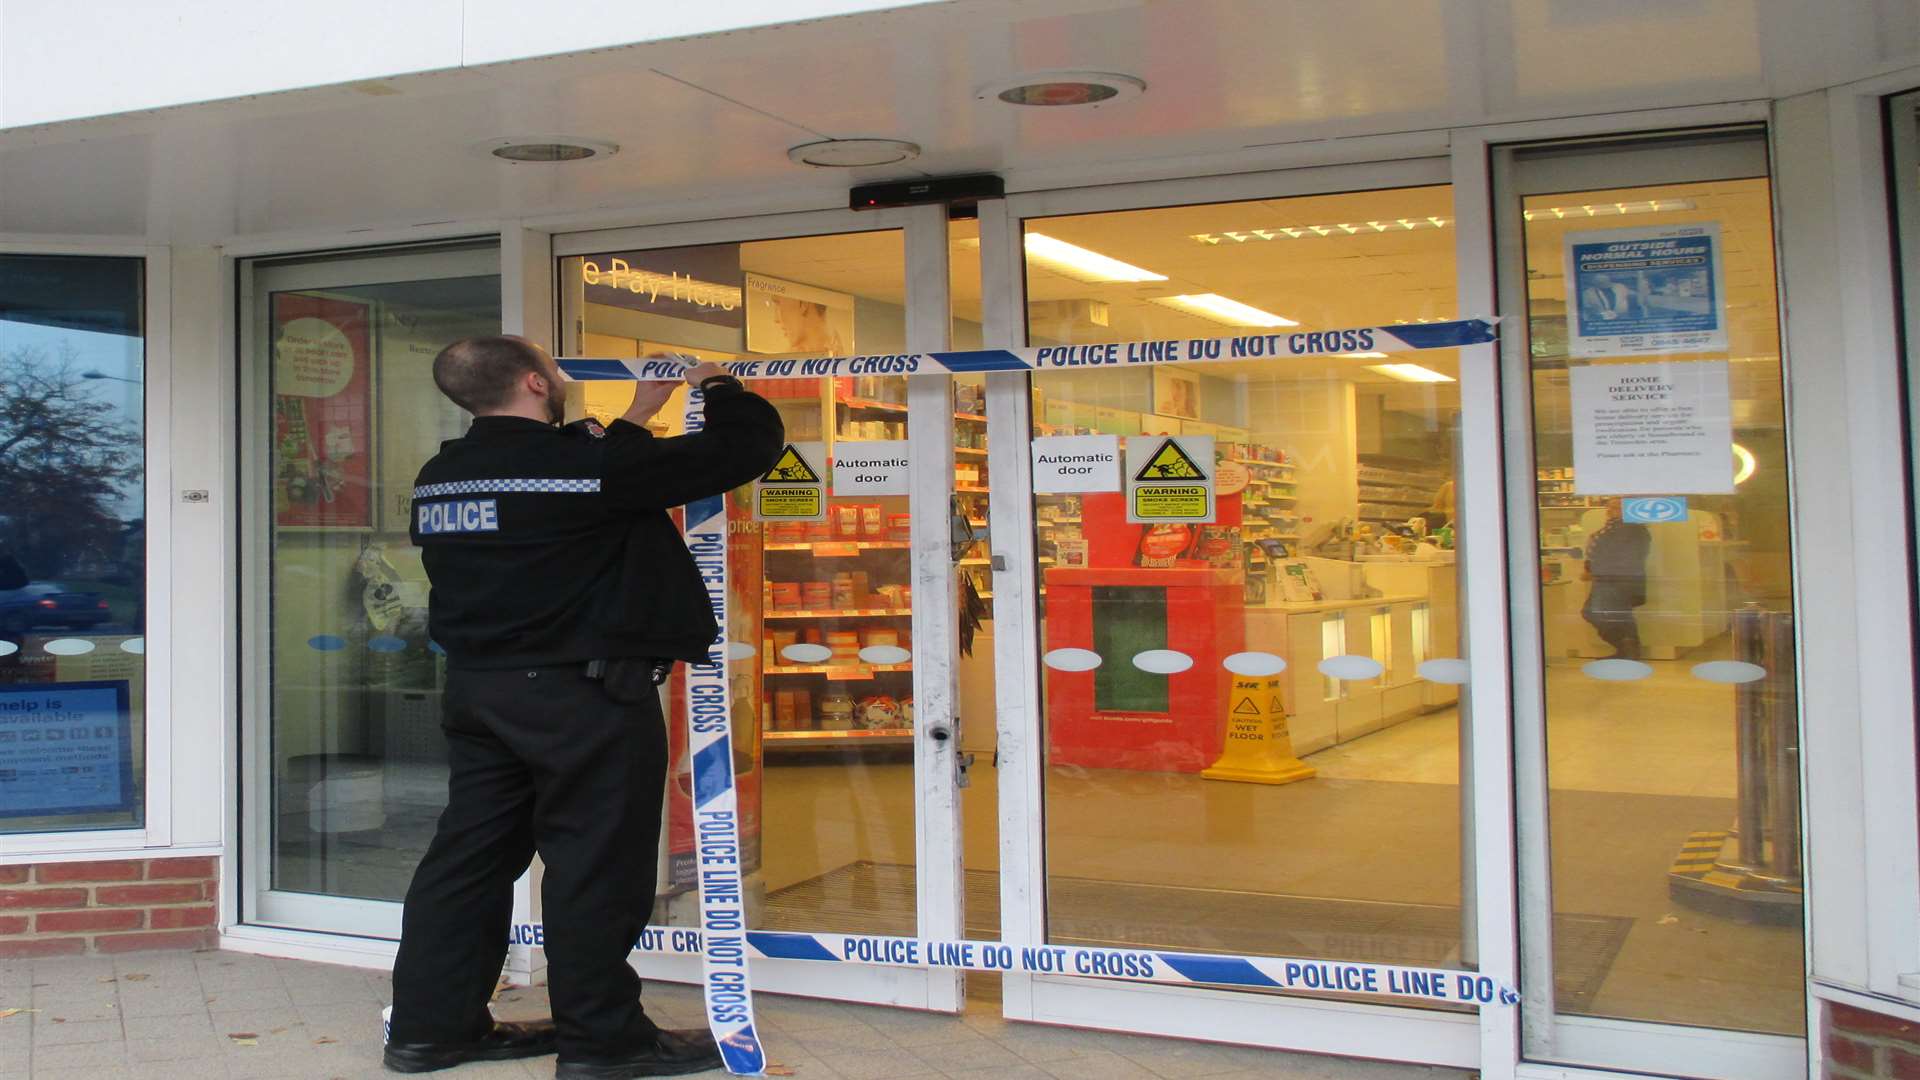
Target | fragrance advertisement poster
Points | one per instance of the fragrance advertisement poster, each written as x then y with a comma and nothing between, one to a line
322,412
1646,291
787,317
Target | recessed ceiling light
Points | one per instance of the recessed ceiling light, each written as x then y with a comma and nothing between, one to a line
1063,89
547,149
853,153
1081,264
1409,373
1223,310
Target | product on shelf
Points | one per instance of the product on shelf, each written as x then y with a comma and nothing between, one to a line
836,710
877,713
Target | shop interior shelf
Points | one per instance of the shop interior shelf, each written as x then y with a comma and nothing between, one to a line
831,548
827,736
837,671
976,417
968,451
851,613
971,489
871,405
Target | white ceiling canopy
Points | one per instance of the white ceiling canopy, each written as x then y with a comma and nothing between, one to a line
707,121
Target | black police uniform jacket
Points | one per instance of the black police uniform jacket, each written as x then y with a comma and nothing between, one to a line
548,545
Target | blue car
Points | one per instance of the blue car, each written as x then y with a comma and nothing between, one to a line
46,604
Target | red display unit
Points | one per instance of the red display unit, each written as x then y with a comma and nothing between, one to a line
1118,716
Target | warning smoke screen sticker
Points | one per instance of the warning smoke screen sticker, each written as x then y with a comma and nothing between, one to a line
1170,478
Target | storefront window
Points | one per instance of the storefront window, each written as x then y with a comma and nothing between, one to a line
72,544
1244,754
1666,599
350,414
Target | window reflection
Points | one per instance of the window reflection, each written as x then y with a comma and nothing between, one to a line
72,543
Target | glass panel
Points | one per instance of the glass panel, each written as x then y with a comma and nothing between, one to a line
1903,129
358,759
1666,597
980,798
72,543
1197,798
820,613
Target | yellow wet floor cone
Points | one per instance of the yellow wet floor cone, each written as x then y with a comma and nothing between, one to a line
1259,749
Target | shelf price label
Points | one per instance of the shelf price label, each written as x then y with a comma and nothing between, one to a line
1170,478
793,489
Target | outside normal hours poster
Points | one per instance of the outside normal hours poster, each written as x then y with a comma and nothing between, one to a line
1650,291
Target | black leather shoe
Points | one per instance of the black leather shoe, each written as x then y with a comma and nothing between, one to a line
507,1040
674,1053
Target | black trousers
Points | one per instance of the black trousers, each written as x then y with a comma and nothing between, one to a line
1609,610
545,760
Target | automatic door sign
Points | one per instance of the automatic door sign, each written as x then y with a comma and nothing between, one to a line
1065,464
1653,511
870,468
793,489
1170,478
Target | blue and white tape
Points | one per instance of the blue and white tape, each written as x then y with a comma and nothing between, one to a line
716,818
1448,986
1369,339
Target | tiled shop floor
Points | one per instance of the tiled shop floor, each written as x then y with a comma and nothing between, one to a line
214,1015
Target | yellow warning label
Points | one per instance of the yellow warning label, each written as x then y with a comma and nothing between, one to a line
801,502
1186,501
1246,706
791,469
1170,462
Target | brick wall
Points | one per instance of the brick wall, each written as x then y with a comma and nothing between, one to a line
1862,1045
59,909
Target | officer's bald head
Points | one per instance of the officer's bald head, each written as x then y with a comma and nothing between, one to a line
484,374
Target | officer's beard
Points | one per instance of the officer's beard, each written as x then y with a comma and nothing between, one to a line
556,401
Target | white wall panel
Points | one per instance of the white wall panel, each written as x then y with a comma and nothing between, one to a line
497,30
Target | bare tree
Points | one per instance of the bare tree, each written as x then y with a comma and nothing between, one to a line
65,463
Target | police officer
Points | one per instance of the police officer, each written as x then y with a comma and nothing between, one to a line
561,593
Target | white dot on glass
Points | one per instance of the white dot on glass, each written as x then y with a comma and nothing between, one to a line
1729,671
1072,659
1350,667
1450,670
1254,664
740,650
1616,670
807,652
1162,661
69,646
885,654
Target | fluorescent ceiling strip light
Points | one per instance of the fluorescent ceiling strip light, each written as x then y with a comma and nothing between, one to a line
1308,232
1363,355
1079,263
1409,373
1613,209
1222,310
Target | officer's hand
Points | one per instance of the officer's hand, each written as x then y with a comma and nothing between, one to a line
700,373
647,399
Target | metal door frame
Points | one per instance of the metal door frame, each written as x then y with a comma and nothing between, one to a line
937,821
1296,1023
1586,1042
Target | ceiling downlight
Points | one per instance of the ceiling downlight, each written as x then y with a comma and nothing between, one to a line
547,149
1063,89
853,153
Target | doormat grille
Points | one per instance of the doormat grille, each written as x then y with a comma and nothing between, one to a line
879,898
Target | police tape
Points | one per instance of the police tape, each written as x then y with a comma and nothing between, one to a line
726,985
1449,986
1306,343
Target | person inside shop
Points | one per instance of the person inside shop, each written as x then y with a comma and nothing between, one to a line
1617,567
562,594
